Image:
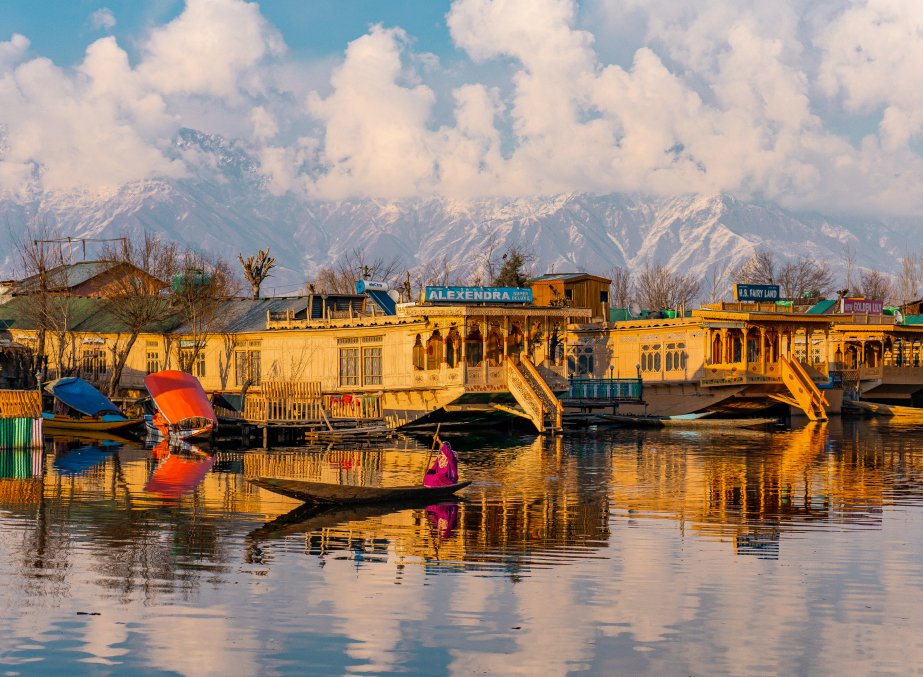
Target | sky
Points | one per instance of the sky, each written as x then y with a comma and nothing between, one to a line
815,105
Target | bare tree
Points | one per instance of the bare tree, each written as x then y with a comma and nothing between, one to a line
758,269
805,278
138,297
257,268
908,280
621,289
356,265
659,288
716,283
47,306
874,285
198,295
849,267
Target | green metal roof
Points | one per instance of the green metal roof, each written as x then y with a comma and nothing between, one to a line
822,307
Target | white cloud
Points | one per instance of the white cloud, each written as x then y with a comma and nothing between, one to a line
769,100
103,18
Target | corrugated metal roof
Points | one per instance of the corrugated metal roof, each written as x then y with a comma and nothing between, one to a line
67,276
243,315
563,276
83,314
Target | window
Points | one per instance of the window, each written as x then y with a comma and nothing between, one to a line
349,366
94,362
434,350
196,366
247,367
474,346
371,366
604,296
153,361
419,354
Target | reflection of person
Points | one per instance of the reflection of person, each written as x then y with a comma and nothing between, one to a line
444,470
443,516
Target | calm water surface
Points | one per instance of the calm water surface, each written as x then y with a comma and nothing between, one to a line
618,552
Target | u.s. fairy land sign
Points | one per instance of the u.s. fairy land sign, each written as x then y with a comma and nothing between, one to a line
478,294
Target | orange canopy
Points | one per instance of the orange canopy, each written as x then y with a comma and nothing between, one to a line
179,396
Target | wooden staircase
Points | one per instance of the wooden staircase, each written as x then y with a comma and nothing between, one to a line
533,394
805,394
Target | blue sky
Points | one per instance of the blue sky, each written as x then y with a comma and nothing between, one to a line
812,104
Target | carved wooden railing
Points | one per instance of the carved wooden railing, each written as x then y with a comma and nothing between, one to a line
525,395
551,403
20,404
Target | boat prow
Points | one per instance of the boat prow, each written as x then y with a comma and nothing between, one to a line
349,494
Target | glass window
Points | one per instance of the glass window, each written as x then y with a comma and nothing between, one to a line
349,366
153,361
371,366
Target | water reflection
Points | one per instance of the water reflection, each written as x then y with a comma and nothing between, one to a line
606,552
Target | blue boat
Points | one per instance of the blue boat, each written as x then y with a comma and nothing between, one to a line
79,406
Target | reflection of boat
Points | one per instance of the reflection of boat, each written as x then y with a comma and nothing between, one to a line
314,516
177,474
346,494
183,409
895,411
77,461
80,406
688,421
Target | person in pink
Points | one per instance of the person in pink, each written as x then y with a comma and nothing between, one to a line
444,470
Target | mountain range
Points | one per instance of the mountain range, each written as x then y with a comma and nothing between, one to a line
226,208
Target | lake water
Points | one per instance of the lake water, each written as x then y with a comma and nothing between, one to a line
612,552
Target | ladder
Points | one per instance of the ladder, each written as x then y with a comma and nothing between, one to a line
534,395
804,393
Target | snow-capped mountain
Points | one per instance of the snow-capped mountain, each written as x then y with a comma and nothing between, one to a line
226,209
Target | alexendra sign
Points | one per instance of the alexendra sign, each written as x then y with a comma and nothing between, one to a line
756,292
478,294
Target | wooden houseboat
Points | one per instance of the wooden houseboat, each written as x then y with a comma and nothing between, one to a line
731,358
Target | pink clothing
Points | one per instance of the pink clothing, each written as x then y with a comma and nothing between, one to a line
443,516
444,470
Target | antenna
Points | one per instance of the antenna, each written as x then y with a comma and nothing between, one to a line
634,310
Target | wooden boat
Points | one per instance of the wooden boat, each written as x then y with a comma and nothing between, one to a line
685,421
80,407
350,494
183,409
893,411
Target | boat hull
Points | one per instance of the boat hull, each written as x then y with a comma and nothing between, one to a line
58,424
688,423
346,494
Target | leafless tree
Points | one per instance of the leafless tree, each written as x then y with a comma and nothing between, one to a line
874,285
908,280
42,260
805,277
356,265
849,267
758,269
199,294
716,283
257,268
621,289
659,288
138,296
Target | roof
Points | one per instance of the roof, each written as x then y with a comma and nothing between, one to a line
821,307
85,314
568,277
67,276
248,315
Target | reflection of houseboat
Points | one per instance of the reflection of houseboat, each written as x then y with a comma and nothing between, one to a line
730,358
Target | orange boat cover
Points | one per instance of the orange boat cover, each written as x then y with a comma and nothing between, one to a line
179,396
178,475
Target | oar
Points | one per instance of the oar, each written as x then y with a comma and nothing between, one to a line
436,441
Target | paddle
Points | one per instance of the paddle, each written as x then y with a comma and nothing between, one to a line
436,442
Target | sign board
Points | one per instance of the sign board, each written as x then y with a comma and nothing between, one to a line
756,292
869,306
478,295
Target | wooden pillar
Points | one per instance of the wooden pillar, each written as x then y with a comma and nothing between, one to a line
763,349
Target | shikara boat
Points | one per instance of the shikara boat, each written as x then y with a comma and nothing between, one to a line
690,422
183,409
87,409
896,412
350,494
179,470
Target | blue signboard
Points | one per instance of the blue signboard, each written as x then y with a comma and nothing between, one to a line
478,295
756,292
